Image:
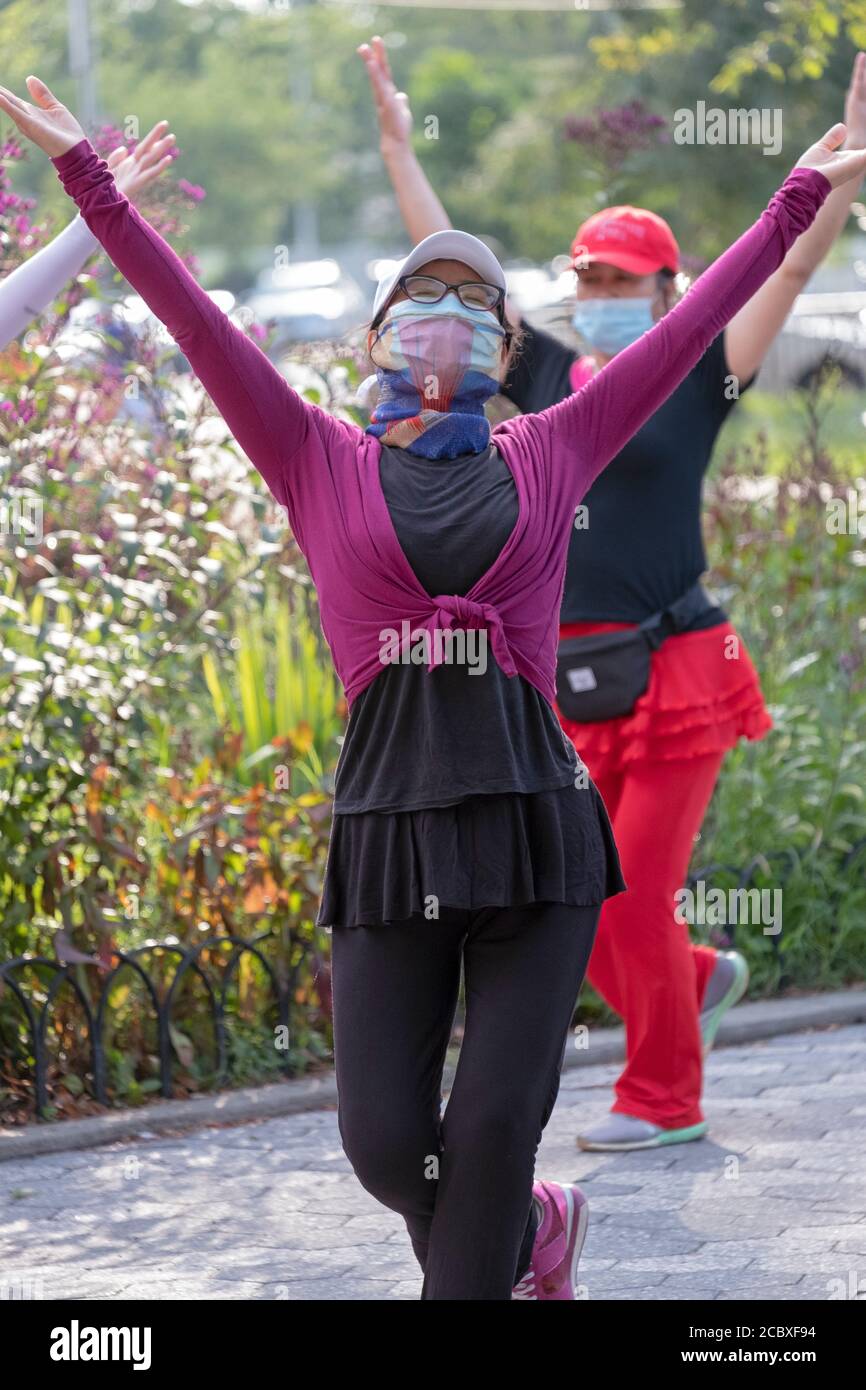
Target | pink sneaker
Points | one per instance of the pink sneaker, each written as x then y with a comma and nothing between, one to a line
552,1273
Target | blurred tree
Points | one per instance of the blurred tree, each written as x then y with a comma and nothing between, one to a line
500,86
786,39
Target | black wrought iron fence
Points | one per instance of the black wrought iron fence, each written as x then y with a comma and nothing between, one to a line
162,1003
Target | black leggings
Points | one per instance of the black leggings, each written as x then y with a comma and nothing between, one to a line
462,1180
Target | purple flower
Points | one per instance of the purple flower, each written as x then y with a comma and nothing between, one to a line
108,137
614,134
192,190
23,412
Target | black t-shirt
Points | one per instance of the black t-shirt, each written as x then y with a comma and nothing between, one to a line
638,546
417,738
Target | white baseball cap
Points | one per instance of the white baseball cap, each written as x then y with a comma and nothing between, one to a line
449,245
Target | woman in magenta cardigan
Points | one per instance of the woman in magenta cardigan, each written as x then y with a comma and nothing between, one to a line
637,549
465,827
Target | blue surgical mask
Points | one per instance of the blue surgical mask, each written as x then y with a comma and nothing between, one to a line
612,324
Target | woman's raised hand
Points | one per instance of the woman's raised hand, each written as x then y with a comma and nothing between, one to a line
48,123
45,120
135,169
392,107
855,105
837,165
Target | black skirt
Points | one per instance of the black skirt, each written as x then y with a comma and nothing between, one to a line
486,851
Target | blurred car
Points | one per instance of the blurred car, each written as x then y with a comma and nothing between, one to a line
822,329
108,334
112,330
532,287
306,301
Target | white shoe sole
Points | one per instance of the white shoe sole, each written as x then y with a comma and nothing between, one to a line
582,1213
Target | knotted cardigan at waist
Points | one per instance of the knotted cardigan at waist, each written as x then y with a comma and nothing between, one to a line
452,611
366,586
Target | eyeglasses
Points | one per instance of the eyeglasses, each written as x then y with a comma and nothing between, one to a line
425,289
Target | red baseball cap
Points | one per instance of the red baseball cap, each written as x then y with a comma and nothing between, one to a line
631,238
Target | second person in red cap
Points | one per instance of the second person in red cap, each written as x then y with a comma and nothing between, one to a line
655,685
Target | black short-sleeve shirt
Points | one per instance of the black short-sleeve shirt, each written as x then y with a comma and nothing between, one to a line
637,543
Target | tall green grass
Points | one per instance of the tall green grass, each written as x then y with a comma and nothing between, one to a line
277,688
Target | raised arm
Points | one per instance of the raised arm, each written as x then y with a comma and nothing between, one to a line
592,426
750,333
27,292
33,286
420,208
267,418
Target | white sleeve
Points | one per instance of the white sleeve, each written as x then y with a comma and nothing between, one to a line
34,285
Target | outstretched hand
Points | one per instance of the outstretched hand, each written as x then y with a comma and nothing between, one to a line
52,127
392,107
45,120
135,169
837,165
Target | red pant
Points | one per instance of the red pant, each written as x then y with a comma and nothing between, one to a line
643,963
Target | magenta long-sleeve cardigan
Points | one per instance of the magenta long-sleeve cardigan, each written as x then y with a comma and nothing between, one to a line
325,471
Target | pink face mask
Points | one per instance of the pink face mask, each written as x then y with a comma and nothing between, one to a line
437,346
